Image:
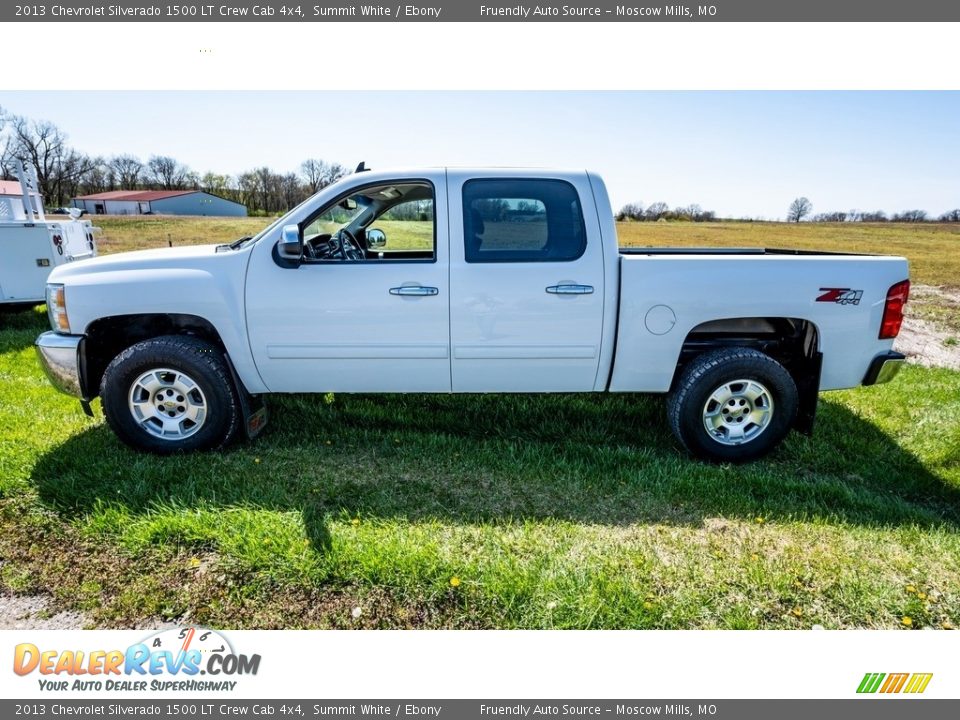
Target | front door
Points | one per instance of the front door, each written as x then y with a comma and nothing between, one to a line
527,282
368,308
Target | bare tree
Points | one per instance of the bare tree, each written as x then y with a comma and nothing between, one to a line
799,209
951,216
657,211
167,173
320,173
42,145
910,216
127,171
630,211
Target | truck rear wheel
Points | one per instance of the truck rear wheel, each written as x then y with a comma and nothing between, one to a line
171,394
732,405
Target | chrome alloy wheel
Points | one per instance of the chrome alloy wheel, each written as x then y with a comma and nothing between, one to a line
168,404
737,412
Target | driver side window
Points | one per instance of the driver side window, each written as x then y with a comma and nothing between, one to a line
380,223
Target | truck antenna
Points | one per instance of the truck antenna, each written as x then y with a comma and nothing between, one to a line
362,167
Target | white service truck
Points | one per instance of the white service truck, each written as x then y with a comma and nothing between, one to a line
31,246
468,281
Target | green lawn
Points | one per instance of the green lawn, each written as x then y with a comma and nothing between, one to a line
522,511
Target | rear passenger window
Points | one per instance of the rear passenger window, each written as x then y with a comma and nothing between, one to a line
522,221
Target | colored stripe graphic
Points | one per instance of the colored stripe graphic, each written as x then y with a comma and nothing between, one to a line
870,682
918,682
894,683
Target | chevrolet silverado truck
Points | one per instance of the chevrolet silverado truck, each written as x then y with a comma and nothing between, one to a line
467,281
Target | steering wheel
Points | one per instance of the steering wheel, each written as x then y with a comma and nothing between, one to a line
356,251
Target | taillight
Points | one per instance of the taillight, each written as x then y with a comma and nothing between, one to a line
893,310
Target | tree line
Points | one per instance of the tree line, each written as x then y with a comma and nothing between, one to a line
802,208
63,172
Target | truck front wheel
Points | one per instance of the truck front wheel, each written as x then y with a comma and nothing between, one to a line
171,394
732,405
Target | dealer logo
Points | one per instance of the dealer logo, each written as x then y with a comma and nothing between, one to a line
168,660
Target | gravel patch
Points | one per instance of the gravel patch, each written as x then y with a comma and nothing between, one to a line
30,612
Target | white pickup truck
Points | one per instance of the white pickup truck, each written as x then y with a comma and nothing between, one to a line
468,281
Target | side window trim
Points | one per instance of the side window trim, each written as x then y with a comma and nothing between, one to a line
473,258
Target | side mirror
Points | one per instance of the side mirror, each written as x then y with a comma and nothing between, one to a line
376,238
290,246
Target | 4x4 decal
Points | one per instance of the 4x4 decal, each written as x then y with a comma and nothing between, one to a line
841,296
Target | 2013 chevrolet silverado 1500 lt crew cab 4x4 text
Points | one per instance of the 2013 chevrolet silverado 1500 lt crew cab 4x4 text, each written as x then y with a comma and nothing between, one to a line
468,281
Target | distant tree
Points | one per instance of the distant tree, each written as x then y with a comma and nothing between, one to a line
42,145
631,211
910,216
657,211
799,209
320,173
950,216
875,216
127,171
835,216
166,173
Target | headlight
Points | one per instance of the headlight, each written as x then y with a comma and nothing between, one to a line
57,308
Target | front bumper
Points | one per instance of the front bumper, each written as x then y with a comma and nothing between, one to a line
884,368
60,359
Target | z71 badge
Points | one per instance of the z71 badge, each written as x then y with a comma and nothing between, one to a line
841,296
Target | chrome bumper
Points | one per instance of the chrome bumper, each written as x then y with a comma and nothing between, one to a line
884,368
60,359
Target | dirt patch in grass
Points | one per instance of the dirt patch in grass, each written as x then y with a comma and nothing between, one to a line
929,335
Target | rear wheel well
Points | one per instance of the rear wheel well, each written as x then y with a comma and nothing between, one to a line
793,342
108,337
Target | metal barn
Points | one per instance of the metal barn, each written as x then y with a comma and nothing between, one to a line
158,202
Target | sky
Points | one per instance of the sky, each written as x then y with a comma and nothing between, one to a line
741,154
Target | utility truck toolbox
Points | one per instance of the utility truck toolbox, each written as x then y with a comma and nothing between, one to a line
436,280
32,246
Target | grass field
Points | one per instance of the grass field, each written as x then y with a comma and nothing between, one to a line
533,512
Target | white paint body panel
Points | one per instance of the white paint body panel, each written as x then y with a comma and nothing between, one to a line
335,326
701,288
491,326
508,333
23,244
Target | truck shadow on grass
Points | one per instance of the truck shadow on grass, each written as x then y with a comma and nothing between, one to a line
586,459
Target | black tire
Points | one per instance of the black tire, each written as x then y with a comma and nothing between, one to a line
708,373
198,361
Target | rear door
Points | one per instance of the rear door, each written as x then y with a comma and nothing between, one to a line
526,279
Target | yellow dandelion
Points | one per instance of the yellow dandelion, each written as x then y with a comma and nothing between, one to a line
648,606
355,522
922,595
754,556
911,589
946,625
906,620
195,562
454,581
256,461
760,521
798,612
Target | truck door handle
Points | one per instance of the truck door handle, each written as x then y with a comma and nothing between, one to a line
570,289
417,290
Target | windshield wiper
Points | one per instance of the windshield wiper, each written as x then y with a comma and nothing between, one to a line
237,244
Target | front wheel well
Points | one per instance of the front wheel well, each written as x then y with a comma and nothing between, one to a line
109,336
793,342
